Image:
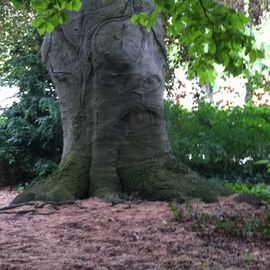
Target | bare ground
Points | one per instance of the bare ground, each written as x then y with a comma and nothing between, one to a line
92,234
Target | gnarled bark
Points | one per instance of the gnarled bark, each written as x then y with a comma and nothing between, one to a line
109,77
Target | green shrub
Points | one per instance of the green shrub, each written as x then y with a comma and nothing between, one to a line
266,163
30,140
223,143
260,190
30,130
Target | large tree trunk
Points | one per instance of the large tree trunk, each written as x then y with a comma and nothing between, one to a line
109,77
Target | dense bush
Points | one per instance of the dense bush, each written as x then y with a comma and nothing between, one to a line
260,190
222,143
30,130
30,140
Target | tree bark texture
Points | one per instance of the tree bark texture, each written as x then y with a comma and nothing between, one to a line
109,77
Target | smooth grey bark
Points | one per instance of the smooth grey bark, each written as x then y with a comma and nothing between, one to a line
109,77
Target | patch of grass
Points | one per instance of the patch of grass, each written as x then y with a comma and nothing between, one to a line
236,226
177,211
21,187
231,226
260,190
248,257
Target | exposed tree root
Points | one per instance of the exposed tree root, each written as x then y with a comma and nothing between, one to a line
22,212
153,180
36,204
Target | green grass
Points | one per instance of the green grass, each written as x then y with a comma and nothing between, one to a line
235,226
260,190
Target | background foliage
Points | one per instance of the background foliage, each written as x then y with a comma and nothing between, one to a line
223,143
30,140
30,130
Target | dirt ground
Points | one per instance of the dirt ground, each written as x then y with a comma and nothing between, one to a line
92,234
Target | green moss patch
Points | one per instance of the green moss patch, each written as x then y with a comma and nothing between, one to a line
69,182
170,180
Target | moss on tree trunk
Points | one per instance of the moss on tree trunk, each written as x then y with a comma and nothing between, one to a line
68,182
169,180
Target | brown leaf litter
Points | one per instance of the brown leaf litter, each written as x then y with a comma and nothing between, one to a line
92,234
